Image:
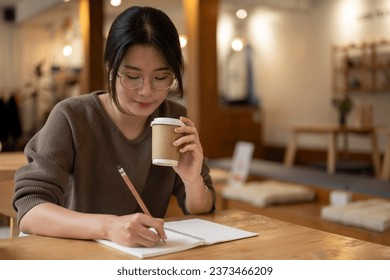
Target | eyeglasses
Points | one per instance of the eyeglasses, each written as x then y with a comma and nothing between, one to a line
162,81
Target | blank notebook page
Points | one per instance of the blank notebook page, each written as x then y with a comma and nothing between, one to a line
210,232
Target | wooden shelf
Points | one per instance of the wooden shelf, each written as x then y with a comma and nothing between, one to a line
361,68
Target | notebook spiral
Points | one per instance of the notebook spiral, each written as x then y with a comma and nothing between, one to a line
184,234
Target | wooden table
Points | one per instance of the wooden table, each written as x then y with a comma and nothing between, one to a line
332,131
276,240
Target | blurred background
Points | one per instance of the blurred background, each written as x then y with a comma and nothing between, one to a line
254,68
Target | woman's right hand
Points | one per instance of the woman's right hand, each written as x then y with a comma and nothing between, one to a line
49,219
133,230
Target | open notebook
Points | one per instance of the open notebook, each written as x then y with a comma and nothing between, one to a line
185,234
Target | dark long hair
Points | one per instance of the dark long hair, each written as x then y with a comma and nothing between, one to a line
143,26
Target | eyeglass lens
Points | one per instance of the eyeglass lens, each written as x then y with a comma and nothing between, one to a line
133,81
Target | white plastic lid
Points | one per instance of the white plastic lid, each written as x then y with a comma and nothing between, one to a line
169,121
165,162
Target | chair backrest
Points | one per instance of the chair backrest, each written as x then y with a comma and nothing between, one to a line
6,175
385,173
6,195
6,209
9,163
242,156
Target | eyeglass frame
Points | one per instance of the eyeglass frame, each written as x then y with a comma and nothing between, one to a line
120,75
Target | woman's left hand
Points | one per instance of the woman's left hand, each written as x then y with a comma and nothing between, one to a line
191,152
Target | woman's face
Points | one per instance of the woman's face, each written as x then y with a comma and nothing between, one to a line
142,98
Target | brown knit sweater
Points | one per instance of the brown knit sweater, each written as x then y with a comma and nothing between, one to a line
73,162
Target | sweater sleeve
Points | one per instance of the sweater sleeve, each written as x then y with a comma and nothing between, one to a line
179,190
50,160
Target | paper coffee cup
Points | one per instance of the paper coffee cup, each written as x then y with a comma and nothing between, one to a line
163,136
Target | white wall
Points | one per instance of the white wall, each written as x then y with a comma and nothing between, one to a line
293,63
8,55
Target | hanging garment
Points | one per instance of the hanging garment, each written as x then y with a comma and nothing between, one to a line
10,126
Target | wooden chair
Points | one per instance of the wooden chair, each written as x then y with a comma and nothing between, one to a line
6,209
385,173
6,175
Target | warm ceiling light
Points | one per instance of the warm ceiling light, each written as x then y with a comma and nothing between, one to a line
183,41
115,3
237,44
67,50
241,14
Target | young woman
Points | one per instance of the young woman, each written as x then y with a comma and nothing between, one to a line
71,186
